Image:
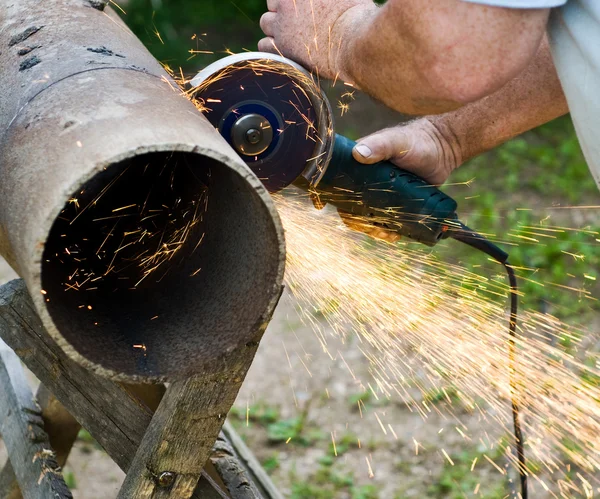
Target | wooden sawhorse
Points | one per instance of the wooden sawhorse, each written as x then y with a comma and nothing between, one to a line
160,437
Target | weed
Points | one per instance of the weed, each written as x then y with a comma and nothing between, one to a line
259,413
442,395
271,463
69,478
342,445
458,481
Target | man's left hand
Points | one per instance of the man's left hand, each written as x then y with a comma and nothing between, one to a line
314,33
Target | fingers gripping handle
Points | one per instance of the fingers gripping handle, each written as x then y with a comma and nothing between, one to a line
386,196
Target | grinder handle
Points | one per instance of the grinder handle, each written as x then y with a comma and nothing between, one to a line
386,196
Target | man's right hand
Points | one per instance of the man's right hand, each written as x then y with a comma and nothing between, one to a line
429,150
421,147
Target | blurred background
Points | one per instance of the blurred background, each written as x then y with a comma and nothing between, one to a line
288,410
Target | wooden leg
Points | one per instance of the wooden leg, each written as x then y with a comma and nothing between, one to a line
180,437
62,430
22,428
61,427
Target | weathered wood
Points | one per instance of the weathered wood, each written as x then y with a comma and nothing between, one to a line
241,461
22,429
234,475
62,430
180,437
117,419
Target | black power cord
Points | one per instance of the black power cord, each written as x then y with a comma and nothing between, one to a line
465,235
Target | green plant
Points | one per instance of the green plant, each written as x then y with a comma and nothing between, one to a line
69,477
342,445
457,481
293,431
360,398
365,492
260,413
438,395
271,463
306,490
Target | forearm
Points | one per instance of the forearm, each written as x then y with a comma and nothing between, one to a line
532,99
432,56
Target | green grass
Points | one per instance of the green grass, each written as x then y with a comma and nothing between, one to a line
458,481
438,396
271,463
294,431
69,477
330,482
260,413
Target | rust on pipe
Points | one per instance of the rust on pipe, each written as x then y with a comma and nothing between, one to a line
97,143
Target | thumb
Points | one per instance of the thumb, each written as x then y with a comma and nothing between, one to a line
391,143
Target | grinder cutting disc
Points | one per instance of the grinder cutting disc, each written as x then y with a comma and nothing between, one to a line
272,112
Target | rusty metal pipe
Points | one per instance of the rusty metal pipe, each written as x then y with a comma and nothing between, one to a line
89,122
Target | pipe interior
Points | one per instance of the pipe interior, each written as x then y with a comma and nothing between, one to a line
159,264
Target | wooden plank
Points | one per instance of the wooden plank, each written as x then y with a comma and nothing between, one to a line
233,454
115,417
62,430
61,427
181,435
236,477
22,429
179,440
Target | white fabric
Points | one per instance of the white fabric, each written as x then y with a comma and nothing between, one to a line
574,32
521,4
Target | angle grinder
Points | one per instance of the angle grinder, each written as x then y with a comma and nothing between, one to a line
275,115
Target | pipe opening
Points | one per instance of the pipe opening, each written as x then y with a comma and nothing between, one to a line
160,264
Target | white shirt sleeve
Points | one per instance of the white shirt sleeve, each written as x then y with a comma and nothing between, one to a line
521,4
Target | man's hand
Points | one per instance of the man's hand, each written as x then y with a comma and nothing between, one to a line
313,32
421,147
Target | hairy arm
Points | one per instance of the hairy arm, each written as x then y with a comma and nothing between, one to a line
432,56
529,100
434,146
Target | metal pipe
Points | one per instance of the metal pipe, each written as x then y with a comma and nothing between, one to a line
91,123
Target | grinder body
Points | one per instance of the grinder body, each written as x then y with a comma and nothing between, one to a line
385,195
